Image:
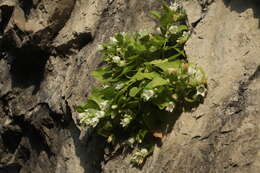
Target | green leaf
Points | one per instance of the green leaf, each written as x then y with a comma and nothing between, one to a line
161,102
180,51
143,75
134,91
91,104
174,57
166,8
156,14
119,37
79,109
190,100
165,64
141,135
157,81
182,28
107,93
126,70
158,40
101,74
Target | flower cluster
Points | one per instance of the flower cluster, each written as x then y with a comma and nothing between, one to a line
91,117
175,6
139,156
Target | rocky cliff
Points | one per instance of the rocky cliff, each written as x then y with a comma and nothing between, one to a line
48,49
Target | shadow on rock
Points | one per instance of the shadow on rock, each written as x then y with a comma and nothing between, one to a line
241,5
28,67
11,168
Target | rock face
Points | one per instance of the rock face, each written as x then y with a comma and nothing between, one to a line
48,49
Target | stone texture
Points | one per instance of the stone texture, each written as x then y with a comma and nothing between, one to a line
222,134
48,49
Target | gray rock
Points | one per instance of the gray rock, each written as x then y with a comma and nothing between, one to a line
49,51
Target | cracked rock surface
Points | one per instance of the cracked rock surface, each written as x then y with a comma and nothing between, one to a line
48,49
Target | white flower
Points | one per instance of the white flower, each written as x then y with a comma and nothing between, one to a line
170,107
185,34
94,121
100,47
173,29
121,63
81,115
199,76
119,86
91,121
114,106
118,49
144,152
105,86
116,59
201,91
103,105
131,140
147,94
197,73
153,48
174,6
100,114
191,70
113,39
139,156
91,117
110,139
126,120
158,29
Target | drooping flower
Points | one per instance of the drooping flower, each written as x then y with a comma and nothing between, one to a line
191,70
158,30
104,105
91,117
123,33
113,39
116,59
126,120
170,107
110,138
173,29
147,94
118,49
100,114
105,86
121,63
185,34
144,151
119,86
131,140
201,90
114,106
139,156
81,115
100,47
174,6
